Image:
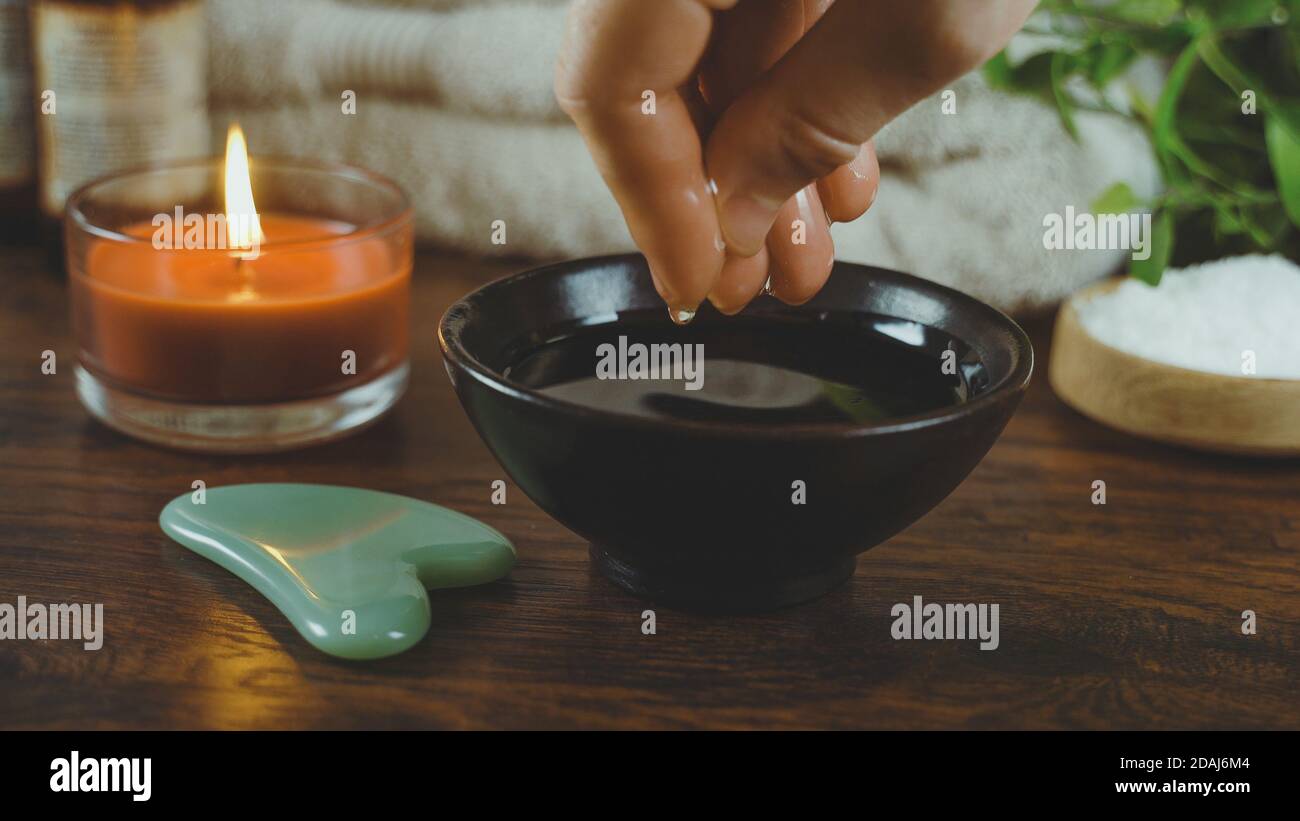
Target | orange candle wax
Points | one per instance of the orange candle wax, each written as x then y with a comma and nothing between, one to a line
207,326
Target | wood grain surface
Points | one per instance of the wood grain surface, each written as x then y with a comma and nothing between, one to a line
1123,615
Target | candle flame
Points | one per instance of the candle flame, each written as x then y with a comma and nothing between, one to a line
244,229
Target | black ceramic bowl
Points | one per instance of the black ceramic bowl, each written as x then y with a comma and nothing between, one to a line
698,513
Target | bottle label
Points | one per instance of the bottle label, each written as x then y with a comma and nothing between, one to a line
17,142
118,86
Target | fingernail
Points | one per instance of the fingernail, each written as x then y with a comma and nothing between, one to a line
723,307
745,223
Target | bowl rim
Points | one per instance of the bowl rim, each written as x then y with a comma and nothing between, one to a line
1015,382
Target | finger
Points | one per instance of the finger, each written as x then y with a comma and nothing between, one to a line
863,64
747,41
741,280
848,191
800,247
614,52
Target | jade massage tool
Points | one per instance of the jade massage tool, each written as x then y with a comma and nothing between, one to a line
348,567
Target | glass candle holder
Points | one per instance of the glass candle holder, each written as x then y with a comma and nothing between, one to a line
189,337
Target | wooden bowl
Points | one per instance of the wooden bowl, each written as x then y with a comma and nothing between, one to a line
1196,409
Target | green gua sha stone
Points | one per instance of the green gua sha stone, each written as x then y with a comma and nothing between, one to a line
319,552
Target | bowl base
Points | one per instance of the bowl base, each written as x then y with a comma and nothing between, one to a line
731,594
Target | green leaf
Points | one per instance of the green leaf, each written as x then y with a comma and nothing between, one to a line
1228,14
1034,74
1042,75
1240,79
1220,134
1164,136
1151,269
1145,12
1108,61
1227,189
1164,40
1226,222
1205,169
1293,37
1138,102
1167,106
1221,64
1118,199
1287,114
1284,156
1273,223
1060,71
997,71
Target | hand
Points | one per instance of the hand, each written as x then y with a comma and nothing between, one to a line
764,111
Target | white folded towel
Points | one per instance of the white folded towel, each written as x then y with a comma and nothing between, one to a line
453,100
492,58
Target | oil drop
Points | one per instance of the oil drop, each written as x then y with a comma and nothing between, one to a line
681,316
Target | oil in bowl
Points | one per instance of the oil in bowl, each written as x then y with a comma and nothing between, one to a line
752,370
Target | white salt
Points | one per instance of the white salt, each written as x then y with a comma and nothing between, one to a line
1217,317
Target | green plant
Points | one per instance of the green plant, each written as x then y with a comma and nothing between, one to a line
1225,129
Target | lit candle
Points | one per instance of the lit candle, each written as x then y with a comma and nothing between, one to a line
236,310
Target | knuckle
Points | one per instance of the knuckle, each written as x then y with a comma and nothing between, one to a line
815,149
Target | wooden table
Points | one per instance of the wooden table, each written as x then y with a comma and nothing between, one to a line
1126,615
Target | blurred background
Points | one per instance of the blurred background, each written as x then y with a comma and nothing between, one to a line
1161,106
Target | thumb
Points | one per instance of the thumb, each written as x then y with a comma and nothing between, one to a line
862,65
